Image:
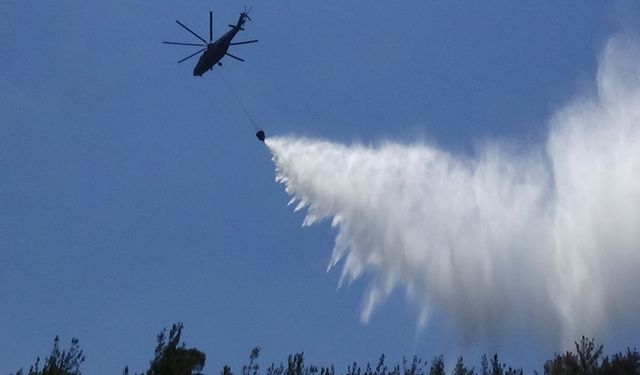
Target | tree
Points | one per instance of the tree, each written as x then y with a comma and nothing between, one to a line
461,369
437,366
484,365
565,364
252,368
171,358
417,366
59,362
381,369
587,360
628,363
589,356
497,368
295,364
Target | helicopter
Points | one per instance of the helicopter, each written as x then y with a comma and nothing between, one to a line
214,51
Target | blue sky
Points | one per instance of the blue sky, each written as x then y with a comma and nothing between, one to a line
134,195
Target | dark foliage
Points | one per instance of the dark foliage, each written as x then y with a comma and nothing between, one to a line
461,369
628,363
589,360
437,366
65,362
171,358
252,368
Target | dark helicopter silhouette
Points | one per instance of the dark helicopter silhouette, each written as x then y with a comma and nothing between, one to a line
214,51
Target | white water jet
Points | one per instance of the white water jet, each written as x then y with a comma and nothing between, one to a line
545,241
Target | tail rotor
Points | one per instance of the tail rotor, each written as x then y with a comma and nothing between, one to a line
246,12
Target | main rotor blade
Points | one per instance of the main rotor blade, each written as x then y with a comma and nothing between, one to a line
189,30
190,56
235,57
183,44
247,42
210,26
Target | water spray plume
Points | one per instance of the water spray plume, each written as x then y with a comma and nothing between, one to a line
544,241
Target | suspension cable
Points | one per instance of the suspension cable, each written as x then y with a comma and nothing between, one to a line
240,103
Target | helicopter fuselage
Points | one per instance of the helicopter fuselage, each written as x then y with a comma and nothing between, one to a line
215,52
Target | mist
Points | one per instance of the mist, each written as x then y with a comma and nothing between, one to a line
541,241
